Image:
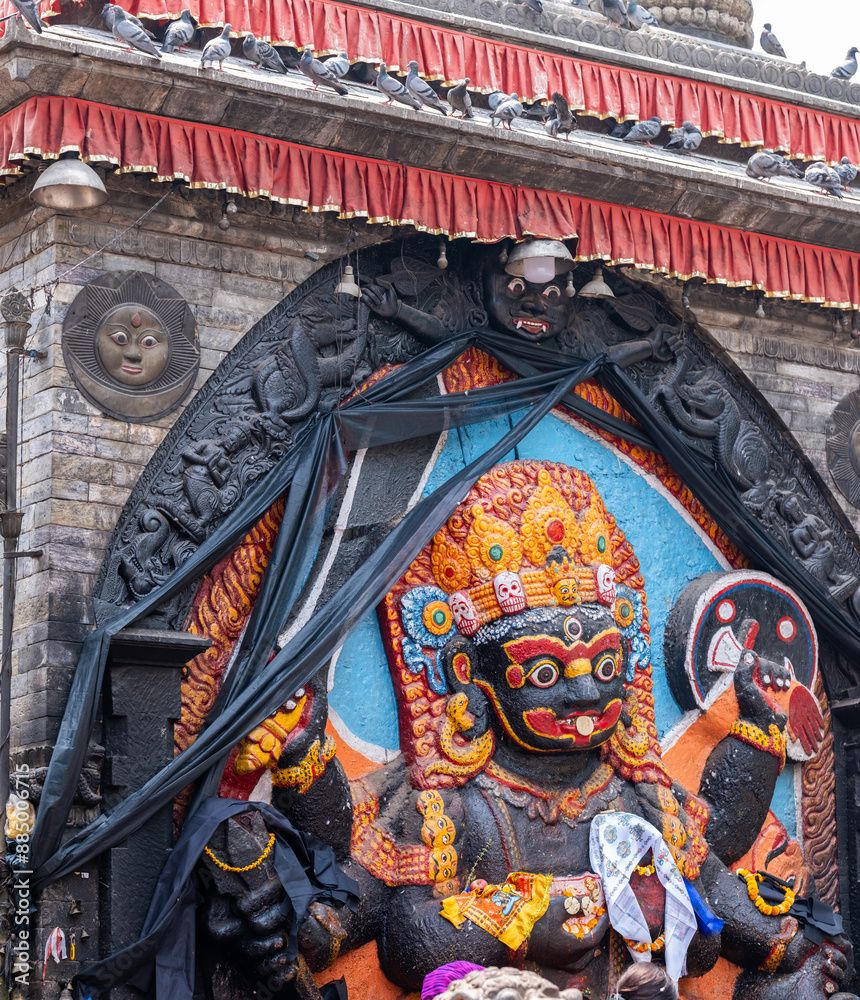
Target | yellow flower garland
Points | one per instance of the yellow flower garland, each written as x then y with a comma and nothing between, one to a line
657,945
645,869
247,868
752,880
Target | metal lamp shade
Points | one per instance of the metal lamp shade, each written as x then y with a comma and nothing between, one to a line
597,287
553,253
69,185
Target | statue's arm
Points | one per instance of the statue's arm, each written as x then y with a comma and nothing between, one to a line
740,774
385,302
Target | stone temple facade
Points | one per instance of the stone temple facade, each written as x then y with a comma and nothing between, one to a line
759,298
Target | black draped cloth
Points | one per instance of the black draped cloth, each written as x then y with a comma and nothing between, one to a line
164,955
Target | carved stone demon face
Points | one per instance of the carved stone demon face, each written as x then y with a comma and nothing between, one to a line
132,345
554,678
535,312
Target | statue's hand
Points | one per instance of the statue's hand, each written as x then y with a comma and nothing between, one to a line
381,298
665,342
752,680
321,936
312,726
830,963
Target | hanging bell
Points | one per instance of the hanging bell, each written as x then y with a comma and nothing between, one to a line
66,993
759,308
503,256
347,285
570,288
442,259
685,295
75,908
224,222
84,935
231,208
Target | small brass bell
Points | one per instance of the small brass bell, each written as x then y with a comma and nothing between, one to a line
84,935
66,993
442,260
75,908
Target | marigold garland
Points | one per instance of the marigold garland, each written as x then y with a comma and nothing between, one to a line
652,946
752,880
645,870
246,868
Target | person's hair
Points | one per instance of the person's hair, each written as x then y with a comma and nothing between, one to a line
646,981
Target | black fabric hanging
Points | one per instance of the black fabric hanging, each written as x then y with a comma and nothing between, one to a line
270,683
164,955
380,415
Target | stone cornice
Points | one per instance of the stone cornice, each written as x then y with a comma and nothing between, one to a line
590,36
800,352
74,63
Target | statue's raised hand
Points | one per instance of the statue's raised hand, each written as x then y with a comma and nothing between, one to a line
755,679
665,342
381,298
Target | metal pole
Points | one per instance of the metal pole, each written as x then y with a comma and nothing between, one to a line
10,545
16,310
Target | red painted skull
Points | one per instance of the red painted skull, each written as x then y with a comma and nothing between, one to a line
464,613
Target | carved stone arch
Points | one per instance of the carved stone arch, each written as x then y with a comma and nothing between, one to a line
314,348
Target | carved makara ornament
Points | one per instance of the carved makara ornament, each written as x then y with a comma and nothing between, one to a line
130,344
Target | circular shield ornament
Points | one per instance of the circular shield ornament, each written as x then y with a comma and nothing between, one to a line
843,447
130,345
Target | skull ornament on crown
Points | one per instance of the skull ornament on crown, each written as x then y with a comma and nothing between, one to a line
530,534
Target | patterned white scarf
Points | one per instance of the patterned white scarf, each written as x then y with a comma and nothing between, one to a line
618,843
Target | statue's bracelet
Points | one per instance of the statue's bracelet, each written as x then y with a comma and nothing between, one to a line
788,929
772,742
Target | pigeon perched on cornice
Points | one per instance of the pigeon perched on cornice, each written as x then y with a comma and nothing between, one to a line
393,90
506,112
621,130
821,176
770,43
561,120
498,97
261,54
763,166
459,99
179,33
339,65
422,91
320,73
616,12
108,12
125,30
638,17
645,131
847,171
849,67
29,10
685,139
217,50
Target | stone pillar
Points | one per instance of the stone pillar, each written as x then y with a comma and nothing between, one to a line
141,703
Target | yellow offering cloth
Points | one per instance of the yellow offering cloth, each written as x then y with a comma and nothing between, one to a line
507,911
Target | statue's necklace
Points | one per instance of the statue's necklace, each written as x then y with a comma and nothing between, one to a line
568,802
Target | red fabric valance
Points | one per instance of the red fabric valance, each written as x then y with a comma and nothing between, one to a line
328,181
592,88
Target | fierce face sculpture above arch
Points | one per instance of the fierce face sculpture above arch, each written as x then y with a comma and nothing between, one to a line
314,348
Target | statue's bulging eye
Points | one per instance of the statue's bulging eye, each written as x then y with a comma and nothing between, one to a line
544,675
120,338
552,293
149,341
516,286
606,669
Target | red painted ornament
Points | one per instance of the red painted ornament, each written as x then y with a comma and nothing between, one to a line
555,530
136,320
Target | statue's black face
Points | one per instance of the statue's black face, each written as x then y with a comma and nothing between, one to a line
555,679
524,309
